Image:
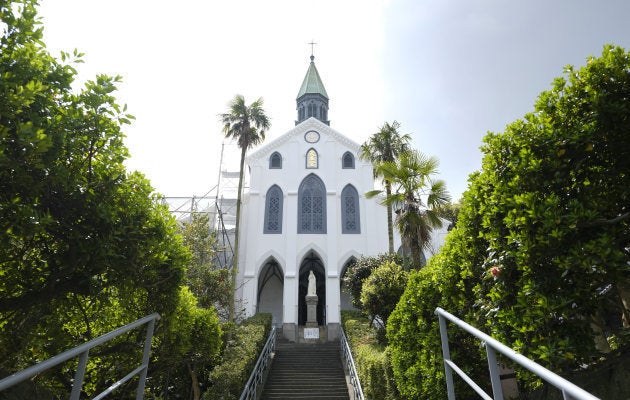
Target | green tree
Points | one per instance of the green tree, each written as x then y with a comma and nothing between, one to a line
85,246
382,290
359,271
247,125
209,282
191,343
385,146
417,198
539,256
557,217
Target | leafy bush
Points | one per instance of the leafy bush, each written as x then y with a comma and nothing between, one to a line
539,257
240,354
413,331
372,359
360,270
382,290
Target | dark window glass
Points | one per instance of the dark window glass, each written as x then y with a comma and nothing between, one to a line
312,205
273,210
350,221
275,161
348,160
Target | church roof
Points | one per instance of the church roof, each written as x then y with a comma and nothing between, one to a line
312,83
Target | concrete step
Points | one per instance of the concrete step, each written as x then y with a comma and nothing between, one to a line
306,371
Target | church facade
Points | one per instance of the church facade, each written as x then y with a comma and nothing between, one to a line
306,211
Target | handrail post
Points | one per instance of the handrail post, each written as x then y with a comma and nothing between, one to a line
446,354
79,374
495,379
145,360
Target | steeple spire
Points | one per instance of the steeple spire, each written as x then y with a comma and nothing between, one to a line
312,99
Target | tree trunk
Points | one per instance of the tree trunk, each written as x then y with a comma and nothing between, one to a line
234,272
624,294
194,382
601,343
390,224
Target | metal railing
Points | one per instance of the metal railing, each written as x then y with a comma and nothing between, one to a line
569,390
82,351
256,378
349,364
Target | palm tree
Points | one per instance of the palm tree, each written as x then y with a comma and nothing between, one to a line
417,198
247,125
385,146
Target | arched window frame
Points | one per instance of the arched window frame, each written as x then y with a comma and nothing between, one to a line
350,210
347,160
275,161
312,159
311,205
274,202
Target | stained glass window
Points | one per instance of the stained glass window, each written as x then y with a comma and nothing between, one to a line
312,159
350,221
273,210
312,205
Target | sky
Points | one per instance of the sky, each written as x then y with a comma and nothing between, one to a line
448,71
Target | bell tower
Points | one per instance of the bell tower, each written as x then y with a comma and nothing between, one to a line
312,99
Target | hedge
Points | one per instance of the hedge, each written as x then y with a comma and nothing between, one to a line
372,360
243,344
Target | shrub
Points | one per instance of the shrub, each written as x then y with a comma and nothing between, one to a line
360,270
239,357
539,257
371,359
382,290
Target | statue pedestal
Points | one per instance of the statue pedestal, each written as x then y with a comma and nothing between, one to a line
311,311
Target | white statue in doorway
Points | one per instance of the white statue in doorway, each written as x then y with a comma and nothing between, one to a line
311,284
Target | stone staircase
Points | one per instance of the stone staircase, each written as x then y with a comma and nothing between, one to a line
306,371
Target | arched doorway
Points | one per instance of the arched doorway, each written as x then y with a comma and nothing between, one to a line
312,262
345,299
270,290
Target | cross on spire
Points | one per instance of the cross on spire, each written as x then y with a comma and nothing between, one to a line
312,43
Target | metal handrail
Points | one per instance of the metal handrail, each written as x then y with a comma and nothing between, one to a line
352,371
82,351
257,375
569,390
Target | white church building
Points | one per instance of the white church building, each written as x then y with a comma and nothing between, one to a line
305,211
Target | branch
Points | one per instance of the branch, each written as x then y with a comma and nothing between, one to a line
605,222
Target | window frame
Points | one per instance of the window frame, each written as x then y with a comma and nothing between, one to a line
345,213
271,159
273,192
311,182
343,160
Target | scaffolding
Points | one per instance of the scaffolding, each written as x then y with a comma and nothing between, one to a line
220,203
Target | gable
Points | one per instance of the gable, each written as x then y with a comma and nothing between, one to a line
297,134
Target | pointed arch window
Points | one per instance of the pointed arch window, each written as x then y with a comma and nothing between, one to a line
350,217
275,161
273,210
347,161
312,205
312,159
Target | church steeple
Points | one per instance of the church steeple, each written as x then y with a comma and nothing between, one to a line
312,99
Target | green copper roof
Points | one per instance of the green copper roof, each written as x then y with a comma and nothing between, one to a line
312,83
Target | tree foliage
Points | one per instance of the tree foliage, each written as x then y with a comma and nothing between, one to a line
359,271
189,347
416,196
385,146
540,257
247,125
85,246
382,290
208,281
